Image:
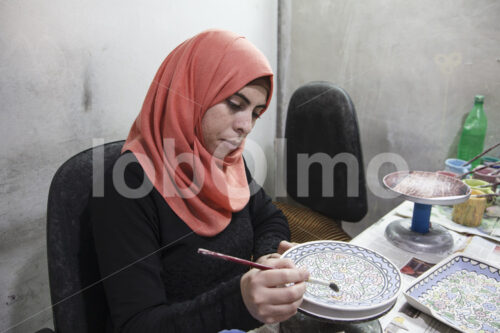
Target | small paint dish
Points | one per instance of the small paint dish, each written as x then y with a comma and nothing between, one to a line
484,174
456,165
475,184
488,160
447,173
369,283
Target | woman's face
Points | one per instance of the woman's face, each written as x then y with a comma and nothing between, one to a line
226,124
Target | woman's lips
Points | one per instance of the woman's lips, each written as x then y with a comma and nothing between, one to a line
232,144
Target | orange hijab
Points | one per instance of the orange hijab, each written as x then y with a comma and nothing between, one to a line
166,137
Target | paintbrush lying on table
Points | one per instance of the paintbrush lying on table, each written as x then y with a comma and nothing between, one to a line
333,286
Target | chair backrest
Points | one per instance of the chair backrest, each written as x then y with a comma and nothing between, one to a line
78,300
325,169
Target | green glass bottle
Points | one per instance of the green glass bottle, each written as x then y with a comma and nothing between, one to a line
473,133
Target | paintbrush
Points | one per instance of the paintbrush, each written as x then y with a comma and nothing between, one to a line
332,285
494,173
487,185
478,156
477,169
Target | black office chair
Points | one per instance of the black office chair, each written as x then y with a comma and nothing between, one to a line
79,303
324,162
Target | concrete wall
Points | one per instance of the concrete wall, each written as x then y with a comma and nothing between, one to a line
412,69
71,71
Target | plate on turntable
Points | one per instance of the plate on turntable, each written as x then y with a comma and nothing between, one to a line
462,292
369,283
429,188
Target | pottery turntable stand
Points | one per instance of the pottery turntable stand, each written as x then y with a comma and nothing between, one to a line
425,189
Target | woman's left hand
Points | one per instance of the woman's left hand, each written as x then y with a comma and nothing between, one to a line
285,246
265,257
282,248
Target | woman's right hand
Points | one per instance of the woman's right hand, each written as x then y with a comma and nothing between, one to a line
265,294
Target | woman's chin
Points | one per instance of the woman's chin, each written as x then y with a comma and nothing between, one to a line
224,150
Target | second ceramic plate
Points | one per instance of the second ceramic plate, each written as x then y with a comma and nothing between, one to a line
461,291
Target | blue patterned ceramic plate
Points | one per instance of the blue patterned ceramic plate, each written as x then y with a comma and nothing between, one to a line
462,292
368,282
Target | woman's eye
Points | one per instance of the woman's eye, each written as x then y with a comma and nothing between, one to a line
256,115
233,106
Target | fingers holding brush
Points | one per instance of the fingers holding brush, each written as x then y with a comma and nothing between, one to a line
264,295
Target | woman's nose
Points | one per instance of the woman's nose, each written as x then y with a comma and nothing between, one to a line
244,122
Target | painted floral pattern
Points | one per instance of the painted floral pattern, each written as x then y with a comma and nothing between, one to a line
359,278
365,278
465,293
467,298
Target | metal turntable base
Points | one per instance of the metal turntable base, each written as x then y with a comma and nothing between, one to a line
436,240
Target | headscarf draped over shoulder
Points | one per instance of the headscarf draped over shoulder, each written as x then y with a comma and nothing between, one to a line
166,137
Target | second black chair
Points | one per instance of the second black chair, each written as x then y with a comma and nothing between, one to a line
325,169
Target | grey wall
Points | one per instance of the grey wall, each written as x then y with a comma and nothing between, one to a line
412,69
71,71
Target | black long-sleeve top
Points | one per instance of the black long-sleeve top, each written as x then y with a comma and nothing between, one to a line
154,279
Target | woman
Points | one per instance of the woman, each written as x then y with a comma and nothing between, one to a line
186,148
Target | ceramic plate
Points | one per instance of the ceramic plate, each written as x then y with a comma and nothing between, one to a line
429,188
344,316
461,291
369,283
